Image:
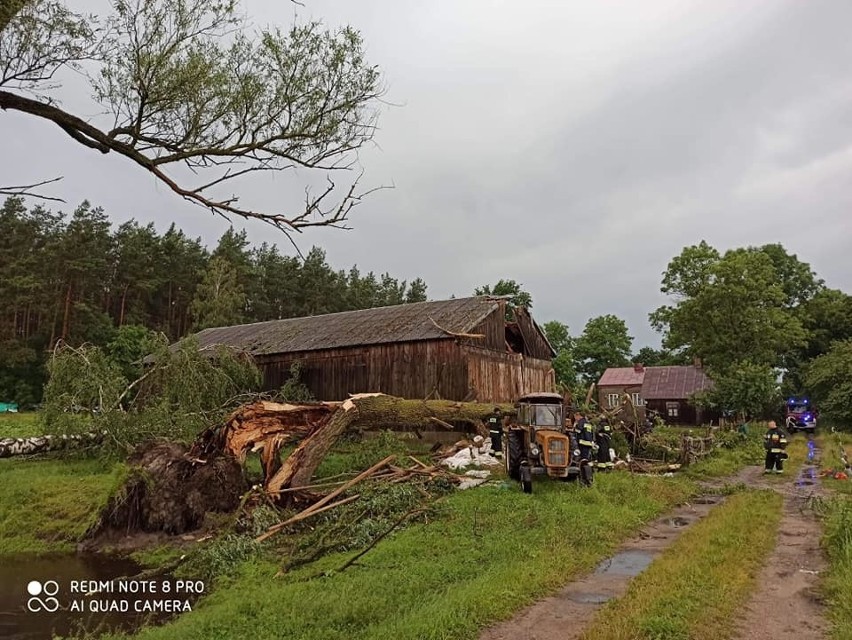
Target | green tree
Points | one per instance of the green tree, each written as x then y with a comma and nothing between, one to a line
796,278
828,378
219,300
563,344
604,343
131,343
189,83
83,268
727,309
136,273
416,291
517,296
650,357
746,388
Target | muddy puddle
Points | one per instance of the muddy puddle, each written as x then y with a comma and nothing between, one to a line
38,596
626,563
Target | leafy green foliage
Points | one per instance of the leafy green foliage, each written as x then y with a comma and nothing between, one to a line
604,343
219,300
746,388
728,309
650,357
294,390
829,377
518,297
562,342
184,390
128,347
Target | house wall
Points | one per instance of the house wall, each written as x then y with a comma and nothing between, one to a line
687,413
503,377
626,413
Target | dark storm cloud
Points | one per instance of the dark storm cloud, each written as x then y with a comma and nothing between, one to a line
575,147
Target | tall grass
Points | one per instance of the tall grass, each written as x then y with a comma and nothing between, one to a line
838,583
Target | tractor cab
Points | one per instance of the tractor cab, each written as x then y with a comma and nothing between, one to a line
536,440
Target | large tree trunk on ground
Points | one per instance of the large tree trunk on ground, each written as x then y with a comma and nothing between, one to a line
266,426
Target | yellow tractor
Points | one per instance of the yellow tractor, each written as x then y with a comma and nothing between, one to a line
536,443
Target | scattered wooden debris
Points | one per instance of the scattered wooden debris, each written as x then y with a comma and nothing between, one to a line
383,470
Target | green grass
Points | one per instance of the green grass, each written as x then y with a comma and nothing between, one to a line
489,552
693,590
838,546
47,504
19,425
738,451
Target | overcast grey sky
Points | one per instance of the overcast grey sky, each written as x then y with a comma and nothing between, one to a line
573,146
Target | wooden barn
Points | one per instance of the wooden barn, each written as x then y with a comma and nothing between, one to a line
460,349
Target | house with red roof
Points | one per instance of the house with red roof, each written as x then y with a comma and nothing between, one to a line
665,391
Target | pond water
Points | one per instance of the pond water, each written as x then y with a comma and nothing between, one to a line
37,596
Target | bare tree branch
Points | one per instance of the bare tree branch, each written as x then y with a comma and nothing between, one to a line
187,87
25,190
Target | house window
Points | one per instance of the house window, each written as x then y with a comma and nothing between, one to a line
612,400
672,409
637,400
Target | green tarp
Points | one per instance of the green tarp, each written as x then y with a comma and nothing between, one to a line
8,407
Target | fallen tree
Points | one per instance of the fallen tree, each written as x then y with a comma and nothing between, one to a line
171,486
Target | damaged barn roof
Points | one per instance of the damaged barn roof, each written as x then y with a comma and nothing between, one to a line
398,323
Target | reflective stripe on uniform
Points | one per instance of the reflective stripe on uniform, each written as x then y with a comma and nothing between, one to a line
586,443
776,451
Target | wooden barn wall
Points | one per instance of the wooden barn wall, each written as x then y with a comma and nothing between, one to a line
502,377
537,345
493,328
405,369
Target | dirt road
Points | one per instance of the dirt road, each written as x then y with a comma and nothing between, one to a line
565,615
785,606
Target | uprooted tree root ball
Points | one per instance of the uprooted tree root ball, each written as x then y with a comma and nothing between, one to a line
167,490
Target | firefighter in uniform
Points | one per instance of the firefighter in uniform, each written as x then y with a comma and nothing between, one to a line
495,430
775,441
585,433
603,438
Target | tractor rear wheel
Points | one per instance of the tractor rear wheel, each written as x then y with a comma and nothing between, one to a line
514,453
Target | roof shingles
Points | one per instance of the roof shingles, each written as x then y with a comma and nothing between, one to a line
674,383
399,323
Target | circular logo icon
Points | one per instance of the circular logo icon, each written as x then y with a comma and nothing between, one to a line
49,588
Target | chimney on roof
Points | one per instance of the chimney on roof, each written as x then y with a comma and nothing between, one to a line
638,367
696,362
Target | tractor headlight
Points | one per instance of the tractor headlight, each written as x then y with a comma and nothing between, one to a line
535,451
577,453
